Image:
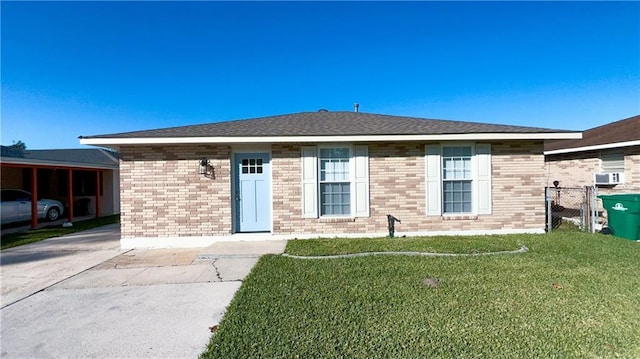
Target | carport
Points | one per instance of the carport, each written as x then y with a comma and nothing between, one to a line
80,178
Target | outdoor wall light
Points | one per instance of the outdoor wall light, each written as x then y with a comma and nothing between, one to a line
205,168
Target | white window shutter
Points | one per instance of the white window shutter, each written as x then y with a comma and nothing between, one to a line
483,158
309,182
361,180
433,180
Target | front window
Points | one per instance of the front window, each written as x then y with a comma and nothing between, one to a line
456,179
335,185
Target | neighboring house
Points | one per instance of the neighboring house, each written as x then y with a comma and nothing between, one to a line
608,156
328,174
70,176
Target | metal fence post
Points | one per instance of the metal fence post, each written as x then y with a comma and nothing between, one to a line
594,210
548,204
583,211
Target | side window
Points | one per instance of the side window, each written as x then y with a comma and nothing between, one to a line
612,163
335,181
457,180
9,195
14,195
23,196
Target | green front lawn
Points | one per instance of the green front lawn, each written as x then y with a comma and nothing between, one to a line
465,245
36,235
572,295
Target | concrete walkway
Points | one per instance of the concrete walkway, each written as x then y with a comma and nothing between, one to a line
80,296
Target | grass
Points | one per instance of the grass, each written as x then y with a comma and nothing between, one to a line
465,245
573,295
36,235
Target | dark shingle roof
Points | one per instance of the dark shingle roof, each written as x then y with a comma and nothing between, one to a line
325,123
620,131
86,157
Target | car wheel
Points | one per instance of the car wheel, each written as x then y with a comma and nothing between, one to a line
53,213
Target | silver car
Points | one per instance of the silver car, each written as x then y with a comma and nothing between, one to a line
16,207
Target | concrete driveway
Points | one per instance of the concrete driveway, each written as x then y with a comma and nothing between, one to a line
30,268
80,296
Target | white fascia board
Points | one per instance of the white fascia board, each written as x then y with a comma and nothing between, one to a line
315,139
594,148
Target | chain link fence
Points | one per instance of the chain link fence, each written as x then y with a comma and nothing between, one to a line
580,206
570,206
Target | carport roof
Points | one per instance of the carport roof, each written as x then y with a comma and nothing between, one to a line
79,158
326,126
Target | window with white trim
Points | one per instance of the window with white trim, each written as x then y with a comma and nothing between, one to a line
458,179
335,181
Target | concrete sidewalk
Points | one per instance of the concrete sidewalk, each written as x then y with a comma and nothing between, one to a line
139,303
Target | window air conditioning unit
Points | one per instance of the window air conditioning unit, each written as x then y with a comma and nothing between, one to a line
608,178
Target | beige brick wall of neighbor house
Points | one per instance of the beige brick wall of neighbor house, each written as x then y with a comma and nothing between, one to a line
163,195
397,187
632,166
577,169
573,169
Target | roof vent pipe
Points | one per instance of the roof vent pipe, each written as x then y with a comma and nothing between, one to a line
355,107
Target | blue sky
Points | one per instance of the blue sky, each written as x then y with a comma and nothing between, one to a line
87,68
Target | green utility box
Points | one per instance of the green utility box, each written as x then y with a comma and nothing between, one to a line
623,213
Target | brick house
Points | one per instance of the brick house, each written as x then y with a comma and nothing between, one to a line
611,151
327,174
